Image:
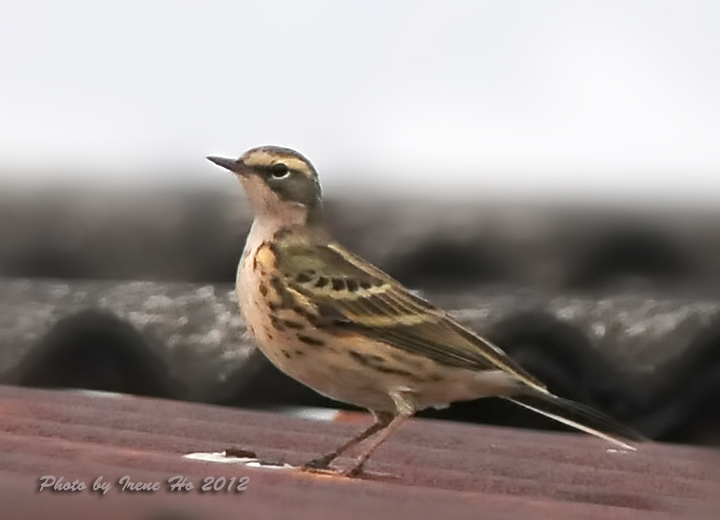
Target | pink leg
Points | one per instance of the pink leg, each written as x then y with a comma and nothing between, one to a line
404,403
382,420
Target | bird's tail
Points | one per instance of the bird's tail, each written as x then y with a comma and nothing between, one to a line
578,416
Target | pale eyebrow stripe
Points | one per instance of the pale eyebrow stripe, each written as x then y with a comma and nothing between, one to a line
298,164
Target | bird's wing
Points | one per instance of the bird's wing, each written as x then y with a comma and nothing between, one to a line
346,293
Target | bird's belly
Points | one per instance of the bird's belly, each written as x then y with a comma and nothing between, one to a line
324,368
331,375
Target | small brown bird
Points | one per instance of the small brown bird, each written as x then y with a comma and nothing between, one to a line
343,327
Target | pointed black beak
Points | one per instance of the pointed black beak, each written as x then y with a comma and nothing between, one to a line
235,166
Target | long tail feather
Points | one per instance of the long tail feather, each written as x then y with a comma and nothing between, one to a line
578,416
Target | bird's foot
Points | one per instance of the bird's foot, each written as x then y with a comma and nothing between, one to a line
355,470
320,463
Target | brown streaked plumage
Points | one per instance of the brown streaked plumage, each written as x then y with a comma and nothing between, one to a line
345,328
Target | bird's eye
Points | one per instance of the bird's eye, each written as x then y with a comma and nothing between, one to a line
279,170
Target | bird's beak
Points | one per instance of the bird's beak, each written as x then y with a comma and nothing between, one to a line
235,166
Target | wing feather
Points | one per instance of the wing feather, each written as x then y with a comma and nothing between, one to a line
354,296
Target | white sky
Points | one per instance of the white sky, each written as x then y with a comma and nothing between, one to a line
601,98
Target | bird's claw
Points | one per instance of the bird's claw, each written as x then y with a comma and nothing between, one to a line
317,464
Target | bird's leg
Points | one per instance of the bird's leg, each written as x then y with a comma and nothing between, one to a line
382,420
405,405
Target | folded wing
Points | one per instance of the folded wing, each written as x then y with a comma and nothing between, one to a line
346,293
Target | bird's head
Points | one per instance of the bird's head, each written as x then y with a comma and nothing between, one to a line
279,182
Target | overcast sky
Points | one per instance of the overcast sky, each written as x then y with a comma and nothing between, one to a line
578,97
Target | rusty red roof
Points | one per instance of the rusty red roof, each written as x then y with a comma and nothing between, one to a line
430,469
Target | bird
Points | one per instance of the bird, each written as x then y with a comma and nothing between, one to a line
338,324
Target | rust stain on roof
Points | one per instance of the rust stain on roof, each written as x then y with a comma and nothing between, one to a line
431,469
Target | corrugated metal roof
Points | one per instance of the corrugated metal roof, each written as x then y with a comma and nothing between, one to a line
649,362
430,469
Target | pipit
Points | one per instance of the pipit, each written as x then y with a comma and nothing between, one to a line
343,327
